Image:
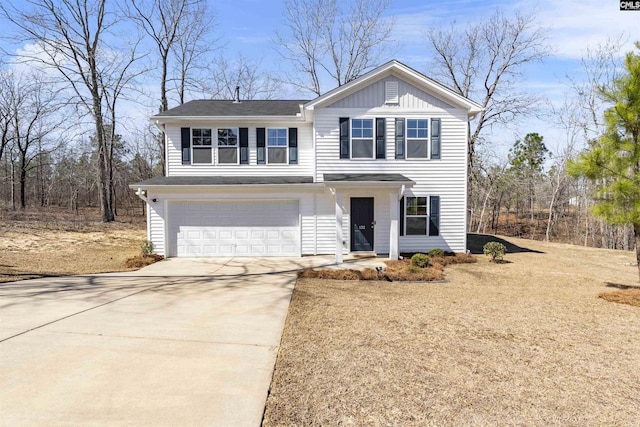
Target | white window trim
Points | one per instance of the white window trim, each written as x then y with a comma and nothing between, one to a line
286,147
227,146
373,138
210,146
427,216
406,139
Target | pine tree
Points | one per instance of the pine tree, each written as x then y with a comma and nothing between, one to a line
613,162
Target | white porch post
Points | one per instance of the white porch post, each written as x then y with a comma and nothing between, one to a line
339,234
394,235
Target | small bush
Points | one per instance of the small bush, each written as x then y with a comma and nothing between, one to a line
420,260
495,250
146,248
436,252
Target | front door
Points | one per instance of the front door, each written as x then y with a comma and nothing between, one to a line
362,224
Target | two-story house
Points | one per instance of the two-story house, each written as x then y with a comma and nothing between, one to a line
378,165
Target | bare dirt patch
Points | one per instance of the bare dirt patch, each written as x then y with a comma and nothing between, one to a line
522,343
54,244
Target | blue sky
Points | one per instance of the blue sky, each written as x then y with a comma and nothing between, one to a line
248,27
571,27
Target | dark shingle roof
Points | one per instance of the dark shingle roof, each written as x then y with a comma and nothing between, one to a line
365,177
225,180
222,108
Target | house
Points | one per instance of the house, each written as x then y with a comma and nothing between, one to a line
378,165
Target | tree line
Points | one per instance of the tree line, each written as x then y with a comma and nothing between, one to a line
64,97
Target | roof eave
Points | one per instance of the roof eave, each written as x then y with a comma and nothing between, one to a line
221,186
369,183
173,119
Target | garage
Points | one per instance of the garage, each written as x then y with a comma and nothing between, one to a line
234,228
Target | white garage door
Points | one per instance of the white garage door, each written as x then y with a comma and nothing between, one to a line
234,228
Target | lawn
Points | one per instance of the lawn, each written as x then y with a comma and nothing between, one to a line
54,243
527,342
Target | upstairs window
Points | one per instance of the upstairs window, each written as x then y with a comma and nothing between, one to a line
277,146
362,139
417,138
228,146
201,144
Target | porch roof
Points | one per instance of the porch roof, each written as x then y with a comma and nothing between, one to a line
163,181
367,178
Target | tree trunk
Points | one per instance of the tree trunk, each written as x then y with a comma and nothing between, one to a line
636,235
23,182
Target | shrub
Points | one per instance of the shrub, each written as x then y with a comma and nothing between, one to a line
436,252
420,260
495,250
146,248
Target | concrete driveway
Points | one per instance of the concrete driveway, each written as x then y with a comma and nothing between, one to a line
181,342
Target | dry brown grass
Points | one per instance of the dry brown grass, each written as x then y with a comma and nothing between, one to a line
52,244
522,343
140,261
626,296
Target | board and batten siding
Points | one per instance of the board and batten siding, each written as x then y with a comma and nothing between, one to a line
445,177
409,97
303,168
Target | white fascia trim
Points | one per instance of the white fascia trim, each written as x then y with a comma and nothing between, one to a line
174,119
472,107
235,187
369,184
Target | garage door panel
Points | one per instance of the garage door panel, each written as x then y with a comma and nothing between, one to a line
238,228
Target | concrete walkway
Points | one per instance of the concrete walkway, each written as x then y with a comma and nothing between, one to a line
181,342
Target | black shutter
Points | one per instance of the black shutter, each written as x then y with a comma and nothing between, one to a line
399,138
261,147
381,131
435,138
434,215
344,137
402,216
293,146
186,145
244,146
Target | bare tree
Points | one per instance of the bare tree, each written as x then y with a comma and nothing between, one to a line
177,29
33,106
338,40
485,61
6,112
192,63
600,65
243,74
70,36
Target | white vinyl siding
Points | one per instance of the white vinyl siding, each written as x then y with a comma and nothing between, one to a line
156,225
303,168
445,177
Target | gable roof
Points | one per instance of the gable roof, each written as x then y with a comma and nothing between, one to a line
407,73
229,108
